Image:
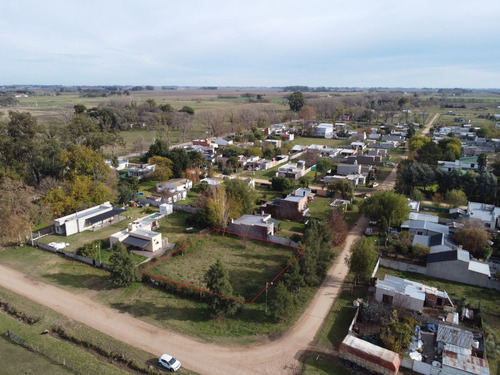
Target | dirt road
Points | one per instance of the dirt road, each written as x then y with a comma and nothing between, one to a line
274,357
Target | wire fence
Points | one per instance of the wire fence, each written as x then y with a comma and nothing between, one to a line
77,367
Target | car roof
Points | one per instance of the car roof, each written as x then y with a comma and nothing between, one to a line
166,357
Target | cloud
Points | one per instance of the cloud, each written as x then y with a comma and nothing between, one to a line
326,43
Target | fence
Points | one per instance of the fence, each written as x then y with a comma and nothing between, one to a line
282,240
76,366
43,231
68,254
184,208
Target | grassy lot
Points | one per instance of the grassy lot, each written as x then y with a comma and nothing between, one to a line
78,240
251,263
307,141
53,347
320,363
264,193
320,207
267,174
174,226
489,298
383,172
293,226
151,304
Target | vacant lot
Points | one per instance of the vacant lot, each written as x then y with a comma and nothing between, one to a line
251,263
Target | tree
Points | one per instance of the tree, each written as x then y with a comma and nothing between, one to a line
281,184
456,198
218,207
342,187
280,302
296,101
123,271
430,153
187,109
387,206
451,147
482,162
306,113
323,165
292,278
472,239
417,141
90,250
217,280
163,169
242,195
338,225
362,259
304,182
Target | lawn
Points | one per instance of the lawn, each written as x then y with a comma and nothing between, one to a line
489,299
293,226
174,226
320,207
307,141
251,263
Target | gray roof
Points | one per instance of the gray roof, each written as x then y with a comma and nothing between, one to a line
485,212
479,267
136,241
423,217
402,286
293,198
455,336
425,225
259,220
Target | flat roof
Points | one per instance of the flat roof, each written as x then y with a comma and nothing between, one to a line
479,267
253,220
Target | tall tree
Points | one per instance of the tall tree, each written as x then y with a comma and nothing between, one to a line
296,101
163,169
123,271
362,259
430,153
323,165
387,206
280,302
217,280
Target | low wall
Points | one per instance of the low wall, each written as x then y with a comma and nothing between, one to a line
184,208
402,266
71,255
282,240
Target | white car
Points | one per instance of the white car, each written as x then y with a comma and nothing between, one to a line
169,362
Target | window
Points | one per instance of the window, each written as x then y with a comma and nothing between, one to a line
387,299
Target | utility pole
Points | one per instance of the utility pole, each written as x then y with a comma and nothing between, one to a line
266,295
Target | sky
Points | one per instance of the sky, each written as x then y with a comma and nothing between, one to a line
251,43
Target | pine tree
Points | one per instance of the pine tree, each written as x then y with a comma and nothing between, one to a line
121,266
217,280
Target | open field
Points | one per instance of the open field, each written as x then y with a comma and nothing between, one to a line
251,263
489,299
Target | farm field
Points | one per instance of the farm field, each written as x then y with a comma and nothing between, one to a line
251,263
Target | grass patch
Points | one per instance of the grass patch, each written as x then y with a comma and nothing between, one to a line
251,263
307,141
52,348
320,207
320,363
293,226
383,173
174,226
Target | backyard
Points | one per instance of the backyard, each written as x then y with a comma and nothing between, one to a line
251,263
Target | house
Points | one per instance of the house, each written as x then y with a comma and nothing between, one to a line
358,146
356,179
141,171
203,142
364,159
258,226
293,171
408,294
426,228
347,169
175,189
290,208
211,181
469,163
274,142
323,130
487,213
456,265
303,192
222,142
140,236
90,219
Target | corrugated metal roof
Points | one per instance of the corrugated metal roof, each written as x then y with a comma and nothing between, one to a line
455,336
106,215
466,364
136,241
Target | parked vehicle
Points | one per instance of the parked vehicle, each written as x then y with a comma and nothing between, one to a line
368,231
390,164
169,362
358,353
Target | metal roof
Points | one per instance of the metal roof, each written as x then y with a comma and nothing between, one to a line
105,215
465,363
479,267
454,336
136,241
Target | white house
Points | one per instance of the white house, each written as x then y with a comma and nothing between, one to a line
175,189
323,130
293,171
487,213
140,236
91,218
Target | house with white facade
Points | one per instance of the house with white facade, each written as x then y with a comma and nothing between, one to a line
293,171
469,163
175,189
487,213
90,219
323,130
